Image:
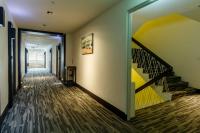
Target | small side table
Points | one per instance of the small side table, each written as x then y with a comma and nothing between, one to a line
71,75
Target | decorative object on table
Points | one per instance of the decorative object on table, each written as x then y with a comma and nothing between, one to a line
2,17
87,44
71,76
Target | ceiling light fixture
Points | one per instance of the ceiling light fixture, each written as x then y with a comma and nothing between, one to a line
49,12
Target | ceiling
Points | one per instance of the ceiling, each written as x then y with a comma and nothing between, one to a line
188,8
40,41
68,15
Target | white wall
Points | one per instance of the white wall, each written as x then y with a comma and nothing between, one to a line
17,83
48,58
105,72
69,59
175,38
4,59
23,41
137,22
54,59
4,63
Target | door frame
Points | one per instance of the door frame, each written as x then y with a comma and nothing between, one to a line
22,30
130,85
58,62
11,63
57,72
45,59
26,60
51,60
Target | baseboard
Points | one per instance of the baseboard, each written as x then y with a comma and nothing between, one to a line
107,105
53,74
69,83
2,117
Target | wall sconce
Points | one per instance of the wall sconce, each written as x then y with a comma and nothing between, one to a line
2,17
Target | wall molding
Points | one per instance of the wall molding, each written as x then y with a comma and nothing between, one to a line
107,105
2,117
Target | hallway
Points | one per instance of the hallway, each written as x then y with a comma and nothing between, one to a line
45,105
99,66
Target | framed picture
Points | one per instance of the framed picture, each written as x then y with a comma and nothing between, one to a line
87,44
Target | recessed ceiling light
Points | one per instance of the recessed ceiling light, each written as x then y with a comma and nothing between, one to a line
49,12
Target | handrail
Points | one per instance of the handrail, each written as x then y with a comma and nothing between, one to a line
151,53
152,81
160,76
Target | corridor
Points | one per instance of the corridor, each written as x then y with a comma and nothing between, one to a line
45,105
132,66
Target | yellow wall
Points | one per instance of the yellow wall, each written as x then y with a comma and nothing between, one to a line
159,22
147,97
175,38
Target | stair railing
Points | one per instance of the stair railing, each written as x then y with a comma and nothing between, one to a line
152,64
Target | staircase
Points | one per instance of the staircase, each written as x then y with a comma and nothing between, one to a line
158,73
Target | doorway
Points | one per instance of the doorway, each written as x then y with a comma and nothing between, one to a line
131,85
26,60
53,60
58,61
11,62
45,60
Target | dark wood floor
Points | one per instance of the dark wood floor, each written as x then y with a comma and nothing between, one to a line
45,105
